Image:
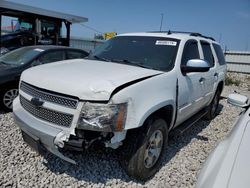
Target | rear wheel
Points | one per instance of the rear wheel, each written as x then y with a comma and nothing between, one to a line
143,150
213,107
7,97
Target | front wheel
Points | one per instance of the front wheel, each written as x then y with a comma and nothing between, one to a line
7,98
143,150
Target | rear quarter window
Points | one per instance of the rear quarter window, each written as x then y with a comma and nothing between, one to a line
207,52
219,54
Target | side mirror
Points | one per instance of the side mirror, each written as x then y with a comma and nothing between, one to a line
238,100
195,65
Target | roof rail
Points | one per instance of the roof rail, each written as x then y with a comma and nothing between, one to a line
169,32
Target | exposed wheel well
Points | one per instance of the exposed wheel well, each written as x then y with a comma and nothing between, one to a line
165,113
220,86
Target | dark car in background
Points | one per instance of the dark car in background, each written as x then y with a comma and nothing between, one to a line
15,62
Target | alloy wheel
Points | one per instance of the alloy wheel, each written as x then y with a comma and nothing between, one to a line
9,97
153,149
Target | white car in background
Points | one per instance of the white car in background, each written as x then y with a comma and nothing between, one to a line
228,166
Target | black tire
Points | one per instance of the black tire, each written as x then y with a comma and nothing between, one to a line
4,96
137,146
213,107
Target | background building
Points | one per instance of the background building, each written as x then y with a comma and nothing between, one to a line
238,61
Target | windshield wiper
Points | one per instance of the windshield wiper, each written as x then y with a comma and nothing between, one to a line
134,63
101,58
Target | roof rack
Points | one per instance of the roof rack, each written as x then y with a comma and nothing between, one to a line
169,32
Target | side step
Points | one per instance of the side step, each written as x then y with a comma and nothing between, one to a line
179,130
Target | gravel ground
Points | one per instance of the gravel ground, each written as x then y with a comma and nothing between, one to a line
22,167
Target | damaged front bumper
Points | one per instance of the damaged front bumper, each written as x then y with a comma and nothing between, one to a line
53,138
49,137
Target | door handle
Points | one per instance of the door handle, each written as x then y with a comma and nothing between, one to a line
216,75
201,80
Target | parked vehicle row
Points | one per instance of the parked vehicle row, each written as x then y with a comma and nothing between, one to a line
128,94
15,62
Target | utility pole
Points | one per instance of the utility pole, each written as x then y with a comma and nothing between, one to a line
220,38
162,15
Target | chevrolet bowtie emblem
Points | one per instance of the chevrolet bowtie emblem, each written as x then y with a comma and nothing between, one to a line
37,102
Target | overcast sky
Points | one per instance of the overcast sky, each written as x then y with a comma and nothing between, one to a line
228,21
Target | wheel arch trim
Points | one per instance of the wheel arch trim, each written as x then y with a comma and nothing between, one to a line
166,106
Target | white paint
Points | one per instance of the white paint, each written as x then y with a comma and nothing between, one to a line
85,79
147,96
103,86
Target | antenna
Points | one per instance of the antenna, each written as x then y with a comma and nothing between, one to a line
162,15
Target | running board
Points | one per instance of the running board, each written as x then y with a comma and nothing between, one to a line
179,130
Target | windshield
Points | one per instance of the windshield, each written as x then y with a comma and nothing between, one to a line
20,56
149,52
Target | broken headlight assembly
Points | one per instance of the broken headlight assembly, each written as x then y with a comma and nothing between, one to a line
103,117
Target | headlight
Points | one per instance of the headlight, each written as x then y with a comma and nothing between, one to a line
103,117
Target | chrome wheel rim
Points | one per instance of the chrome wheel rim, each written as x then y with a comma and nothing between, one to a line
153,149
9,97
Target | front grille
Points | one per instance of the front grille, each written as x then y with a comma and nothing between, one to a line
51,116
49,96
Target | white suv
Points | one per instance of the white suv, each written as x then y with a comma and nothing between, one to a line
129,93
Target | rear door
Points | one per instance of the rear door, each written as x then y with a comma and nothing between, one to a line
211,76
220,62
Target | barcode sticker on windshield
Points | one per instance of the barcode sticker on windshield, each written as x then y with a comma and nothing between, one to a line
39,50
165,42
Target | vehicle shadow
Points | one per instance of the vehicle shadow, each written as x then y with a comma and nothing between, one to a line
101,165
2,112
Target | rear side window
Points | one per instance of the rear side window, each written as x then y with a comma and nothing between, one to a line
219,54
52,57
71,54
207,52
190,52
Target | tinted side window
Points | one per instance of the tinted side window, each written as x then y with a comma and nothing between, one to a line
219,54
190,52
52,57
208,55
75,54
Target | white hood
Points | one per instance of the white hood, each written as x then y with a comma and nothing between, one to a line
85,79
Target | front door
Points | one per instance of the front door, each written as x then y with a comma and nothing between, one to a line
191,85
